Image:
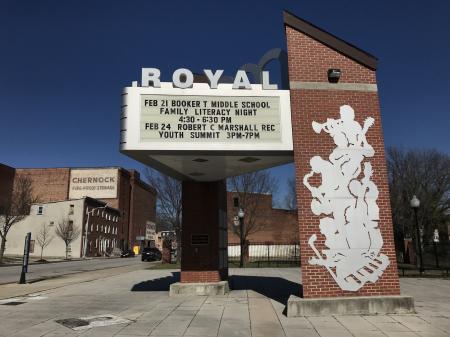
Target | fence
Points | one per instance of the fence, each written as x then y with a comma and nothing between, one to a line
260,254
434,256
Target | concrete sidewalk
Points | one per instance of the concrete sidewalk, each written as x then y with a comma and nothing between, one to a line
141,296
50,283
40,271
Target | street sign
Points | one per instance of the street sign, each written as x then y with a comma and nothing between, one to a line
436,236
26,256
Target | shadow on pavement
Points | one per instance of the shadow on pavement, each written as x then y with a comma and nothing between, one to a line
276,288
159,284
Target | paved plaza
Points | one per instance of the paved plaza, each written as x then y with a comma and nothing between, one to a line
139,298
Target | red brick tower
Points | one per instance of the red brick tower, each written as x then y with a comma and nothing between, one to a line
311,53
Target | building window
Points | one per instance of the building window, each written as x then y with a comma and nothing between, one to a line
96,243
97,227
71,207
31,246
40,210
52,223
92,227
236,202
70,225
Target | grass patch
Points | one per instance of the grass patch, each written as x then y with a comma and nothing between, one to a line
165,266
408,270
265,264
235,264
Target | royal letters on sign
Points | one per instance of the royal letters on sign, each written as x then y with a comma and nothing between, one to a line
346,201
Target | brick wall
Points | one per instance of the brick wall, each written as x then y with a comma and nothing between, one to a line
137,203
309,61
49,184
102,225
6,184
144,206
279,226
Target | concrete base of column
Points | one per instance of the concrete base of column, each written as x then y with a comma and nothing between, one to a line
199,289
365,305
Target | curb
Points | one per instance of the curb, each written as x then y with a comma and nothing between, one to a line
58,261
45,278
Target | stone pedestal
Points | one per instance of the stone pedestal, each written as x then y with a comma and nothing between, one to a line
199,289
361,305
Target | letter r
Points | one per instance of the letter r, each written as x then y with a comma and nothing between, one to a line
150,75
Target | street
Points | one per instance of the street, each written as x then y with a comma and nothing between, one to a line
136,303
51,270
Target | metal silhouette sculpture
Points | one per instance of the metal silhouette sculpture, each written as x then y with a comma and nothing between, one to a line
349,203
275,54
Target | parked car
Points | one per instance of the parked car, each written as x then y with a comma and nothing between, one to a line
151,254
127,253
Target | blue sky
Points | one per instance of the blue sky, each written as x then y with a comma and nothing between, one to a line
63,65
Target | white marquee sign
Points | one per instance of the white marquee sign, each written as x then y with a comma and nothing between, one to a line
200,118
206,131
210,118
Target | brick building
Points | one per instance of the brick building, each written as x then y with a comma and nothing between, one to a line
6,184
277,226
103,228
117,187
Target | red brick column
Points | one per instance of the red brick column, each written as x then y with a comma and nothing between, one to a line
166,251
203,253
313,98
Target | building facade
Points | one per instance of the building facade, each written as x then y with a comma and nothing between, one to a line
117,188
103,229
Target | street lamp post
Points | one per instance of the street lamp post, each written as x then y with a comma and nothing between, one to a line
241,215
435,242
415,203
86,228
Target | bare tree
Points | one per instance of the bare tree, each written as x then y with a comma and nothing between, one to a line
252,189
290,199
44,238
169,206
16,208
423,173
66,232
